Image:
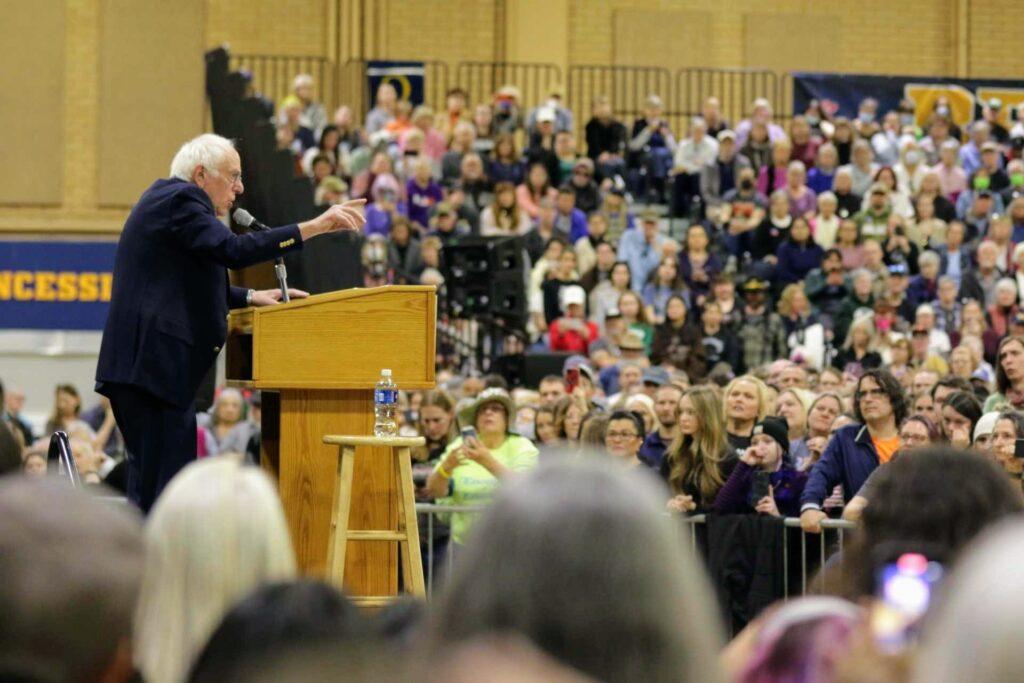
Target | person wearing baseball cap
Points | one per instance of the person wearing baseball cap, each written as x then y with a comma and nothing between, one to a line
642,249
572,332
761,332
764,461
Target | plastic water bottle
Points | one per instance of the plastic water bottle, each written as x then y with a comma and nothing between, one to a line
385,405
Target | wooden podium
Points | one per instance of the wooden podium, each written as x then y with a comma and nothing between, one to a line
317,361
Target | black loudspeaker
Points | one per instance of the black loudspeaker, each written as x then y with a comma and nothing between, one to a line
484,278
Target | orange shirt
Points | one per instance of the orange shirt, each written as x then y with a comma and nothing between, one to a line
886,447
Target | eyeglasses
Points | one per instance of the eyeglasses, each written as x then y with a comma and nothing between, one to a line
621,435
232,178
864,393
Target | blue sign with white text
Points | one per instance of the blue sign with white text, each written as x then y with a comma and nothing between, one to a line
55,285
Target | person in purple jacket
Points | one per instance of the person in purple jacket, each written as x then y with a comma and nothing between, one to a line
768,449
422,192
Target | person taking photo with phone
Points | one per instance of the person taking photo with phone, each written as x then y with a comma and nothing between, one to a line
763,481
474,464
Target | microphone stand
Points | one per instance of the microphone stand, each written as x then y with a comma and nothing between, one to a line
279,268
282,278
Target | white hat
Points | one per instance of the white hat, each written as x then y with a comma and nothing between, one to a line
573,294
986,424
545,114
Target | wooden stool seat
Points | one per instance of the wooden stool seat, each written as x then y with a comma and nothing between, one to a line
407,535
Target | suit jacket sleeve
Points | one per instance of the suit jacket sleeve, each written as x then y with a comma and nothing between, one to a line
237,296
194,227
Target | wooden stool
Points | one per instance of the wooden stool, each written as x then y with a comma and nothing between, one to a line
407,535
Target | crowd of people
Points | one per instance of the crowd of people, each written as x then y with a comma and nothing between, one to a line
837,334
832,240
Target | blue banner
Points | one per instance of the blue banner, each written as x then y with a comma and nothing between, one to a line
407,77
844,92
55,285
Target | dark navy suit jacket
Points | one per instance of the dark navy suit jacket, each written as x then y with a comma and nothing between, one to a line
171,294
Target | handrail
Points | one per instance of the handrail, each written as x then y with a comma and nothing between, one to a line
791,522
60,452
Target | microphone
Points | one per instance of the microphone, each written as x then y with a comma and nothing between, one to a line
247,220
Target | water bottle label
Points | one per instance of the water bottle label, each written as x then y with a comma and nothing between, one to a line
385,396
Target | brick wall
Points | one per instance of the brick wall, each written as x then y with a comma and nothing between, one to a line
994,35
876,36
448,30
282,27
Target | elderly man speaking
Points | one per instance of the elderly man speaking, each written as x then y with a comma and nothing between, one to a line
171,295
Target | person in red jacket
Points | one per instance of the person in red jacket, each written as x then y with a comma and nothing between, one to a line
572,332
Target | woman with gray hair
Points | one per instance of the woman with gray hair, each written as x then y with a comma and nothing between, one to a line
578,558
227,423
217,533
1002,313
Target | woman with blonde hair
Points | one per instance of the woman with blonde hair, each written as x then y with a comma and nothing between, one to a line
746,402
216,533
698,460
859,345
793,405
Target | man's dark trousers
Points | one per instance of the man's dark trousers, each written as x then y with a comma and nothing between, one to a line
160,439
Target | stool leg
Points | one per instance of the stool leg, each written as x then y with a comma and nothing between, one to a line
407,513
339,517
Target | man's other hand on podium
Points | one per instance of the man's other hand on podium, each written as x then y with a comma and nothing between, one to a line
346,216
269,297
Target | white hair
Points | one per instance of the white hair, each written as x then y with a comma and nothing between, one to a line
975,634
1007,283
207,150
928,257
217,533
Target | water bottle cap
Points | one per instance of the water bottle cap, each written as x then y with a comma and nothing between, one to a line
386,372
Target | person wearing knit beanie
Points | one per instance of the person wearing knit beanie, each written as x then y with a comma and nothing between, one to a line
776,428
767,455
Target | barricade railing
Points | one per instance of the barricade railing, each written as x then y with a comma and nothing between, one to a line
273,75
627,87
534,80
736,90
353,87
831,540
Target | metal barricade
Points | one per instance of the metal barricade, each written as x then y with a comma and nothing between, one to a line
626,87
430,510
534,80
830,544
736,89
272,75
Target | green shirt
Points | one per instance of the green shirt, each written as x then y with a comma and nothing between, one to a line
994,401
473,484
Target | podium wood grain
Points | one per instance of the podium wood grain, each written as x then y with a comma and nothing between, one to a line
318,359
